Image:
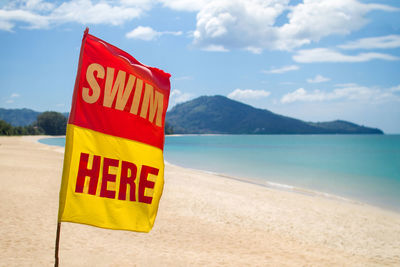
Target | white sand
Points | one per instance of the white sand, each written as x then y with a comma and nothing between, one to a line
203,220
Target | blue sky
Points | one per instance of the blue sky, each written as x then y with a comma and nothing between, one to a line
312,60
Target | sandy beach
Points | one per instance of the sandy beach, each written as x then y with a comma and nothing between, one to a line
203,220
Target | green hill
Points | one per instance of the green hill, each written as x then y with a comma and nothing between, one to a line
18,117
221,115
21,117
345,127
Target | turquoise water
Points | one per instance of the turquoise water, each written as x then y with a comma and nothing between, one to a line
364,168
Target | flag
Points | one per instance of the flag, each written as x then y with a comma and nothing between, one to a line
113,173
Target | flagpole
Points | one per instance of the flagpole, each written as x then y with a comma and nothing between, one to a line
57,244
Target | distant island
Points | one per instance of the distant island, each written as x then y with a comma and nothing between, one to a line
221,115
206,115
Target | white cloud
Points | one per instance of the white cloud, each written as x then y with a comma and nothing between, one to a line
281,70
240,94
84,12
185,5
143,33
329,55
11,99
237,23
8,19
6,25
244,24
38,5
351,92
382,42
254,50
37,14
142,4
298,95
312,20
318,79
148,33
177,96
171,33
215,48
221,25
395,88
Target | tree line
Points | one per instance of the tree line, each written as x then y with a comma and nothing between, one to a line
48,123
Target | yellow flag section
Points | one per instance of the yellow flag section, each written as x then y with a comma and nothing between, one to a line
116,183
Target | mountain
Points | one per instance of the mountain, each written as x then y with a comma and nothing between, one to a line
18,117
221,115
345,127
218,114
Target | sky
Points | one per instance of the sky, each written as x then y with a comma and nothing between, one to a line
312,60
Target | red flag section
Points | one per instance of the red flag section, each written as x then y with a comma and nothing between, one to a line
113,173
117,95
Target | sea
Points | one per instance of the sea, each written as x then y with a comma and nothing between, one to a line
361,168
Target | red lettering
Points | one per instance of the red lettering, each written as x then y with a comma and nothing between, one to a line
108,177
126,168
144,183
128,176
84,172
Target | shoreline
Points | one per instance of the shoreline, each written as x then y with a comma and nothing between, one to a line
260,182
284,187
203,220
